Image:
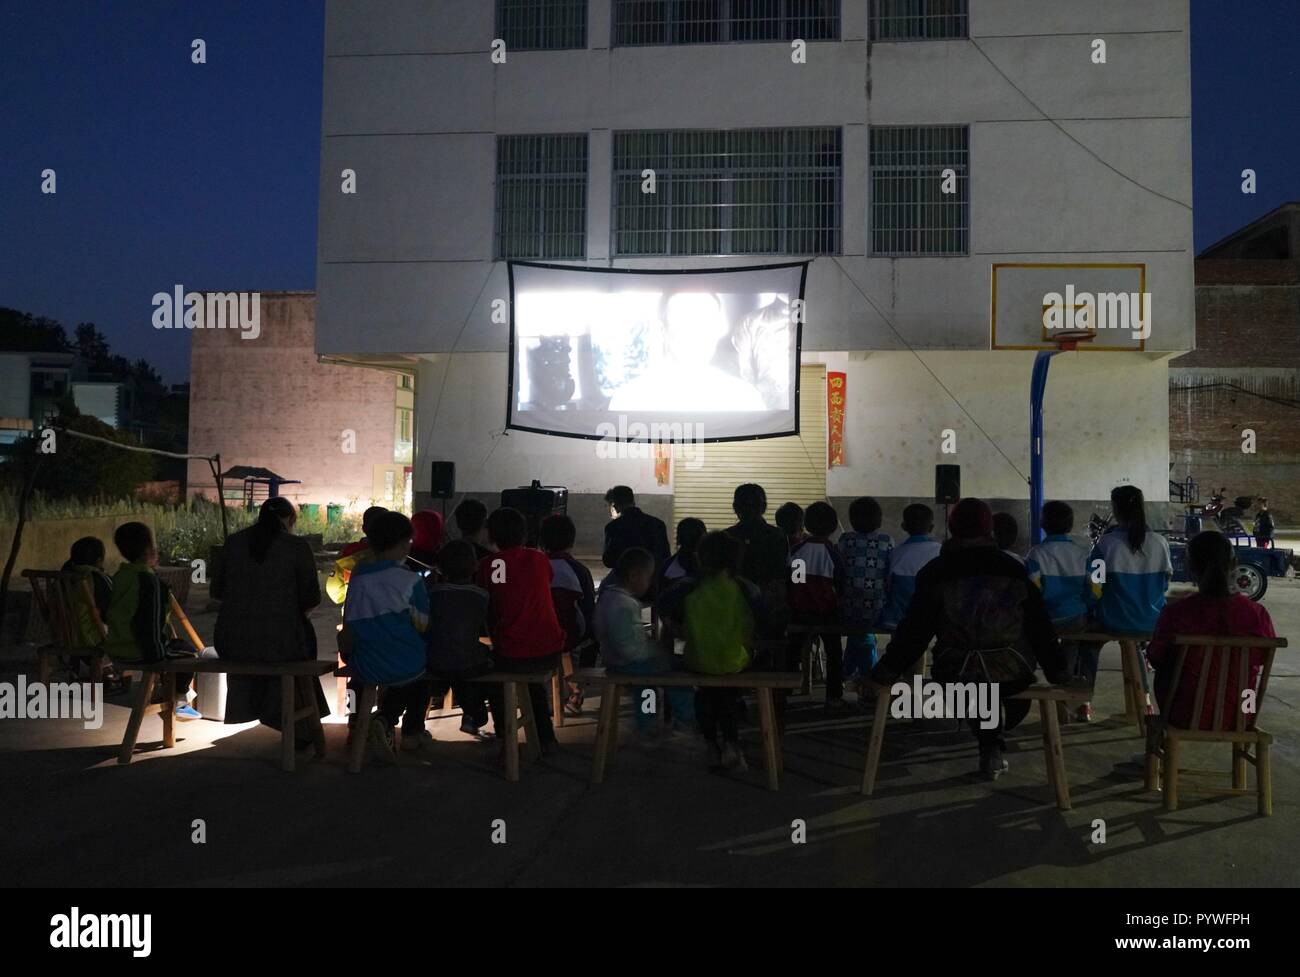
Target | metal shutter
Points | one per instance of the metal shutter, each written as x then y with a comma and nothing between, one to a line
789,469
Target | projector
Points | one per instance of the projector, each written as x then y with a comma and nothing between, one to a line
536,502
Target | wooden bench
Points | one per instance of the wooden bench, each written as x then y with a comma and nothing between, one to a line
810,631
1137,699
293,676
1164,743
54,594
763,684
1047,697
516,700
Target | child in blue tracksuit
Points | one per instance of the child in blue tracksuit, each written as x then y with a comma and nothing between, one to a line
1137,566
1058,566
906,561
384,620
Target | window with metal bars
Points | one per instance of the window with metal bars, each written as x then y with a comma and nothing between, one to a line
645,22
541,196
918,20
742,191
542,25
910,213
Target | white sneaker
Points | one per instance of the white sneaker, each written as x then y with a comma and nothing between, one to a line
733,758
421,741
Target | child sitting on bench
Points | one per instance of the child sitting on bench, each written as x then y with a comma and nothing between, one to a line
717,615
624,644
384,620
526,634
139,614
457,619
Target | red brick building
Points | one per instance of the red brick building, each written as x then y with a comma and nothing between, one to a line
1244,375
344,432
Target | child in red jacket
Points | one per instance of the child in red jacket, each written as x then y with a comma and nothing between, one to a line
526,635
816,579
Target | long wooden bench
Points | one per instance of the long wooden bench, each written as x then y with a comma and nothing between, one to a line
763,684
1047,697
516,700
293,676
811,631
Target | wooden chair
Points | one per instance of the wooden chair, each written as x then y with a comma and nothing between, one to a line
295,677
763,683
1047,697
1165,742
55,594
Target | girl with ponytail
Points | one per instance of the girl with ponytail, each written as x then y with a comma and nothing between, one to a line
1135,568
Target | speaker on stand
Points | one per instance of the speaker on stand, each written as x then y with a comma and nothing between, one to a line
442,483
947,489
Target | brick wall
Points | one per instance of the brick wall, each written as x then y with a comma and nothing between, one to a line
268,403
1244,374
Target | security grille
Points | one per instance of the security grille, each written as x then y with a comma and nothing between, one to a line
910,213
727,192
542,25
643,22
918,20
541,197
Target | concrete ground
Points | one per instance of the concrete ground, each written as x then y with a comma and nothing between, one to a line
72,817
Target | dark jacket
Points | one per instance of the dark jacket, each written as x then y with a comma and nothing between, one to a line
975,599
765,562
263,618
457,619
635,528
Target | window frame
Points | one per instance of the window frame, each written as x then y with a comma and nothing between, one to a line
726,250
725,28
581,5
965,179
498,254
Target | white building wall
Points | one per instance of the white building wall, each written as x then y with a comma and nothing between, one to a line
413,104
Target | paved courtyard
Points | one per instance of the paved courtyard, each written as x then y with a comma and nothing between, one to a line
73,817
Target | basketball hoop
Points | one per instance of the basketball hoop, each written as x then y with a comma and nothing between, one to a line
1068,340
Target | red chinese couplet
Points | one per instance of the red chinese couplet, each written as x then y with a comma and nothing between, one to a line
835,389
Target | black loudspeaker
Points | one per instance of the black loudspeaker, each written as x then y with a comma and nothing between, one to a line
443,481
947,484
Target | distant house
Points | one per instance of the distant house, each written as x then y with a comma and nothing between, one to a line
1234,403
31,386
343,434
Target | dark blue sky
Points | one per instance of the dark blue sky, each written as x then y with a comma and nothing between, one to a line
206,175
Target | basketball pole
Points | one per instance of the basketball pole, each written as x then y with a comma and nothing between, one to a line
1037,387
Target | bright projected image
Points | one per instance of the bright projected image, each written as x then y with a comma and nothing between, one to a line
714,353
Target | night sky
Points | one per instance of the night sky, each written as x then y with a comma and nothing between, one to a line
206,175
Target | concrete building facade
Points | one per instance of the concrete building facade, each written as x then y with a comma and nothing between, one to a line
1068,160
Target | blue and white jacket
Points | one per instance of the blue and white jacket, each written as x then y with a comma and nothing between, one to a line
1134,592
905,562
1059,567
387,613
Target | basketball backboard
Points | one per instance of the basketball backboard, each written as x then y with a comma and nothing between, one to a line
1032,302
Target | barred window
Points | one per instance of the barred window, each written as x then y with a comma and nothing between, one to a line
910,213
918,20
745,191
541,197
542,25
643,22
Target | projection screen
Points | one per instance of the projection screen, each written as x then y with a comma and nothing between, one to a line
707,355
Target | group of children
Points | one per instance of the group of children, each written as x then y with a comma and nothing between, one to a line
127,615
490,600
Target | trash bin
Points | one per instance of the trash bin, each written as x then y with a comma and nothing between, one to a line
333,513
311,510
